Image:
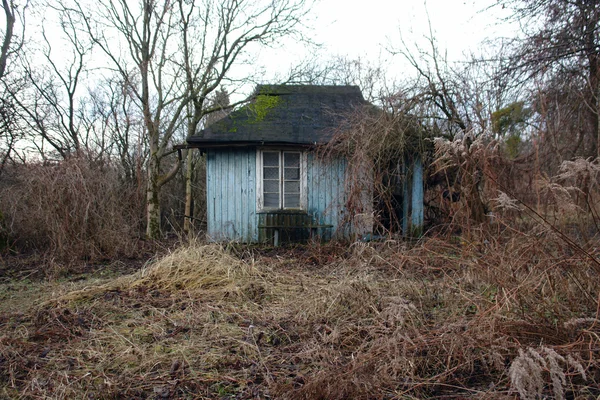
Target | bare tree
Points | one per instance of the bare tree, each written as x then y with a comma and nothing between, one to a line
180,52
9,13
559,51
459,101
119,125
53,107
12,42
217,108
439,89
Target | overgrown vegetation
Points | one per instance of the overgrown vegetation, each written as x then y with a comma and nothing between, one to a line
71,210
497,313
380,146
499,298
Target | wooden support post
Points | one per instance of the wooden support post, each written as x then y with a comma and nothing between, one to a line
413,198
405,198
187,219
417,198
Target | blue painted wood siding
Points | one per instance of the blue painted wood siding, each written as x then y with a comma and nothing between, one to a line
231,194
413,198
326,195
417,197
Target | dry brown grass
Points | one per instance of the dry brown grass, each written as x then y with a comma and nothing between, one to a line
446,317
71,210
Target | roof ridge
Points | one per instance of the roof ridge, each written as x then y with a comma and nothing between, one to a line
268,89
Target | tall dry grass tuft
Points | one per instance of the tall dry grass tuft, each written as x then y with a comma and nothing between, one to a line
72,209
470,166
206,269
527,372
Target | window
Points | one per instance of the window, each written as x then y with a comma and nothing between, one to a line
280,180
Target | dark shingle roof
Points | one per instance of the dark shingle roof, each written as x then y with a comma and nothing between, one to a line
283,114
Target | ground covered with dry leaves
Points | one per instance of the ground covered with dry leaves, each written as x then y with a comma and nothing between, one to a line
486,315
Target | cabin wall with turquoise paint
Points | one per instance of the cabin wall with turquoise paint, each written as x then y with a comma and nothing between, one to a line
232,213
231,195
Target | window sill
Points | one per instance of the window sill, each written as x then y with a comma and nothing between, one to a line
283,211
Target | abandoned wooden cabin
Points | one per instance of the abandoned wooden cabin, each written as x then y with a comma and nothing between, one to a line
264,180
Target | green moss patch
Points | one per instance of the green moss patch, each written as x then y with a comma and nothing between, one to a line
262,106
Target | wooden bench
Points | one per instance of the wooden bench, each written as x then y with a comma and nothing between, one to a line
286,226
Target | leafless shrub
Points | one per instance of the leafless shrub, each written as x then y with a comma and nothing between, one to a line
469,165
584,174
581,169
380,146
568,202
72,209
489,185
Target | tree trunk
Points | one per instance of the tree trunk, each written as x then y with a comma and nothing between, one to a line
153,198
8,35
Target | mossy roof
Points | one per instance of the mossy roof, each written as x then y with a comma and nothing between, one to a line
285,115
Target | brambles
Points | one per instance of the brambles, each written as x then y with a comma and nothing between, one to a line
381,147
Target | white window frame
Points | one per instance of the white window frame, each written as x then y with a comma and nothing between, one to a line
259,179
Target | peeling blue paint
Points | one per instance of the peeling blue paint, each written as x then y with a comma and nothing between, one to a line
412,198
326,194
231,195
417,197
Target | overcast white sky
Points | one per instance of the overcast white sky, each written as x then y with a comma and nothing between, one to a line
366,29
356,27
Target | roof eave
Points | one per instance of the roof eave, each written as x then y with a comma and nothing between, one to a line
214,144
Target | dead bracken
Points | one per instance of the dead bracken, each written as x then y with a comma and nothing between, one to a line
491,315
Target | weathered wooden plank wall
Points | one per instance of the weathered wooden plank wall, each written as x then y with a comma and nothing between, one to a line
231,195
417,197
326,195
413,198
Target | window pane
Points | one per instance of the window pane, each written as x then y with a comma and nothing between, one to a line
291,160
281,188
292,200
291,173
271,159
271,200
271,186
291,187
271,173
